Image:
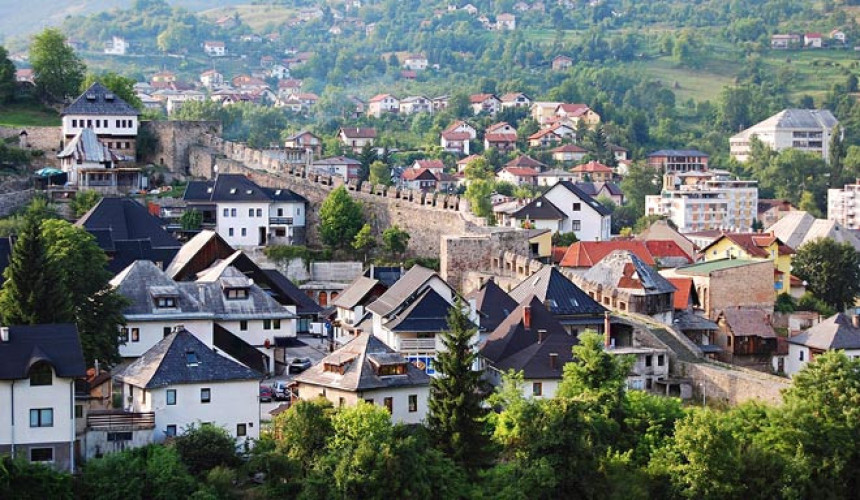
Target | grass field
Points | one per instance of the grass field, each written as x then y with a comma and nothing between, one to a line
258,17
28,115
697,84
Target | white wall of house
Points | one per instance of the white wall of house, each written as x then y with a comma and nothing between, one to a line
592,225
231,403
799,356
101,124
150,333
245,227
400,412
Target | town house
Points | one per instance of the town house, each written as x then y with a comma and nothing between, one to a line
113,120
566,208
356,138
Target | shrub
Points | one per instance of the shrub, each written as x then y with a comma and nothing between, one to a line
206,447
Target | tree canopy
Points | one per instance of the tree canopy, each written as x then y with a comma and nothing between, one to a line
57,69
341,218
831,270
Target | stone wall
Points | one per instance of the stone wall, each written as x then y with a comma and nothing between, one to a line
426,217
12,201
733,385
466,261
46,139
173,142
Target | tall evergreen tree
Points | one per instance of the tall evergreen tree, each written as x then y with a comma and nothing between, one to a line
456,418
34,292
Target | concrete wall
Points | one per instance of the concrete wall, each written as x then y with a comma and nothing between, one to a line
733,385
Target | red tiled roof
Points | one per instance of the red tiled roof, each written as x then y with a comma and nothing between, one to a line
429,164
589,253
497,126
524,161
666,248
569,148
521,171
478,98
558,254
512,96
573,109
409,74
411,174
379,97
682,294
541,133
456,136
592,166
501,137
457,124
359,133
755,244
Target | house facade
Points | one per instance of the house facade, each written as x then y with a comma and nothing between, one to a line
839,332
485,103
356,138
247,215
113,120
91,164
381,104
566,208
38,368
214,48
340,166
804,129
678,160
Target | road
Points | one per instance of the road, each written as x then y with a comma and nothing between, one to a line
316,350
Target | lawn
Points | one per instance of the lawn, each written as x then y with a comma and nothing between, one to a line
699,84
258,17
28,114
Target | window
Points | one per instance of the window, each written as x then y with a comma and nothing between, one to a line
250,212
79,411
369,401
167,330
171,397
259,212
280,212
341,402
647,360
800,358
237,293
191,358
74,123
660,360
41,374
230,232
135,334
537,389
244,232
267,324
119,436
575,225
170,431
165,302
389,404
232,212
413,403
298,211
243,325
241,430
118,123
205,395
276,324
226,212
577,207
42,417
41,454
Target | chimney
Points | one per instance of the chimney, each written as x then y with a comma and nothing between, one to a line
607,337
553,360
527,317
96,362
855,320
4,334
541,335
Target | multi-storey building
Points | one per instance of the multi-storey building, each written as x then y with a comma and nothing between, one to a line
804,129
678,160
841,205
113,120
699,201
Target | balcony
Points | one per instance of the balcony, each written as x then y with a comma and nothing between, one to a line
417,345
117,419
280,221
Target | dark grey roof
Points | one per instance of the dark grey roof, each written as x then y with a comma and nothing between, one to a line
622,269
689,321
835,332
427,313
58,345
98,100
513,346
593,188
286,289
358,357
493,304
679,152
559,293
127,232
356,292
168,363
236,188
585,197
539,209
406,286
387,275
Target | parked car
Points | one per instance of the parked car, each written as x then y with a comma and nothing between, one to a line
298,365
281,391
266,393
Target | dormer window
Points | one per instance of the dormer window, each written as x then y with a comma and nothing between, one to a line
232,190
236,293
391,369
165,302
41,374
338,366
191,358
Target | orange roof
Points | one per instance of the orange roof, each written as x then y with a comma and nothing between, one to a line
466,160
476,98
569,148
682,295
429,164
500,137
541,133
592,166
379,97
558,254
497,126
589,253
666,248
521,171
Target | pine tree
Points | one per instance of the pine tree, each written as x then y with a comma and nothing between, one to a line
456,418
33,292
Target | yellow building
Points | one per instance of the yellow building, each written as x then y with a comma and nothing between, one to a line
755,246
540,243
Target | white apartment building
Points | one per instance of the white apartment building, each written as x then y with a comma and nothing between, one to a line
804,129
247,215
700,201
38,367
185,382
118,46
842,205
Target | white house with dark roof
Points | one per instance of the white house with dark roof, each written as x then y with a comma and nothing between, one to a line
38,368
365,369
839,332
185,382
356,138
91,165
114,121
248,215
566,208
224,308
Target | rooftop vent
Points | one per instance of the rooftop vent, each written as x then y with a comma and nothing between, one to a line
233,191
278,192
249,191
109,97
91,97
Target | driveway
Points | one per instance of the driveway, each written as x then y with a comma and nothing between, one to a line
316,349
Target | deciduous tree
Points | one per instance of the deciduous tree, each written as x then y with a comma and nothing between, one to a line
341,218
831,270
395,240
58,71
7,77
